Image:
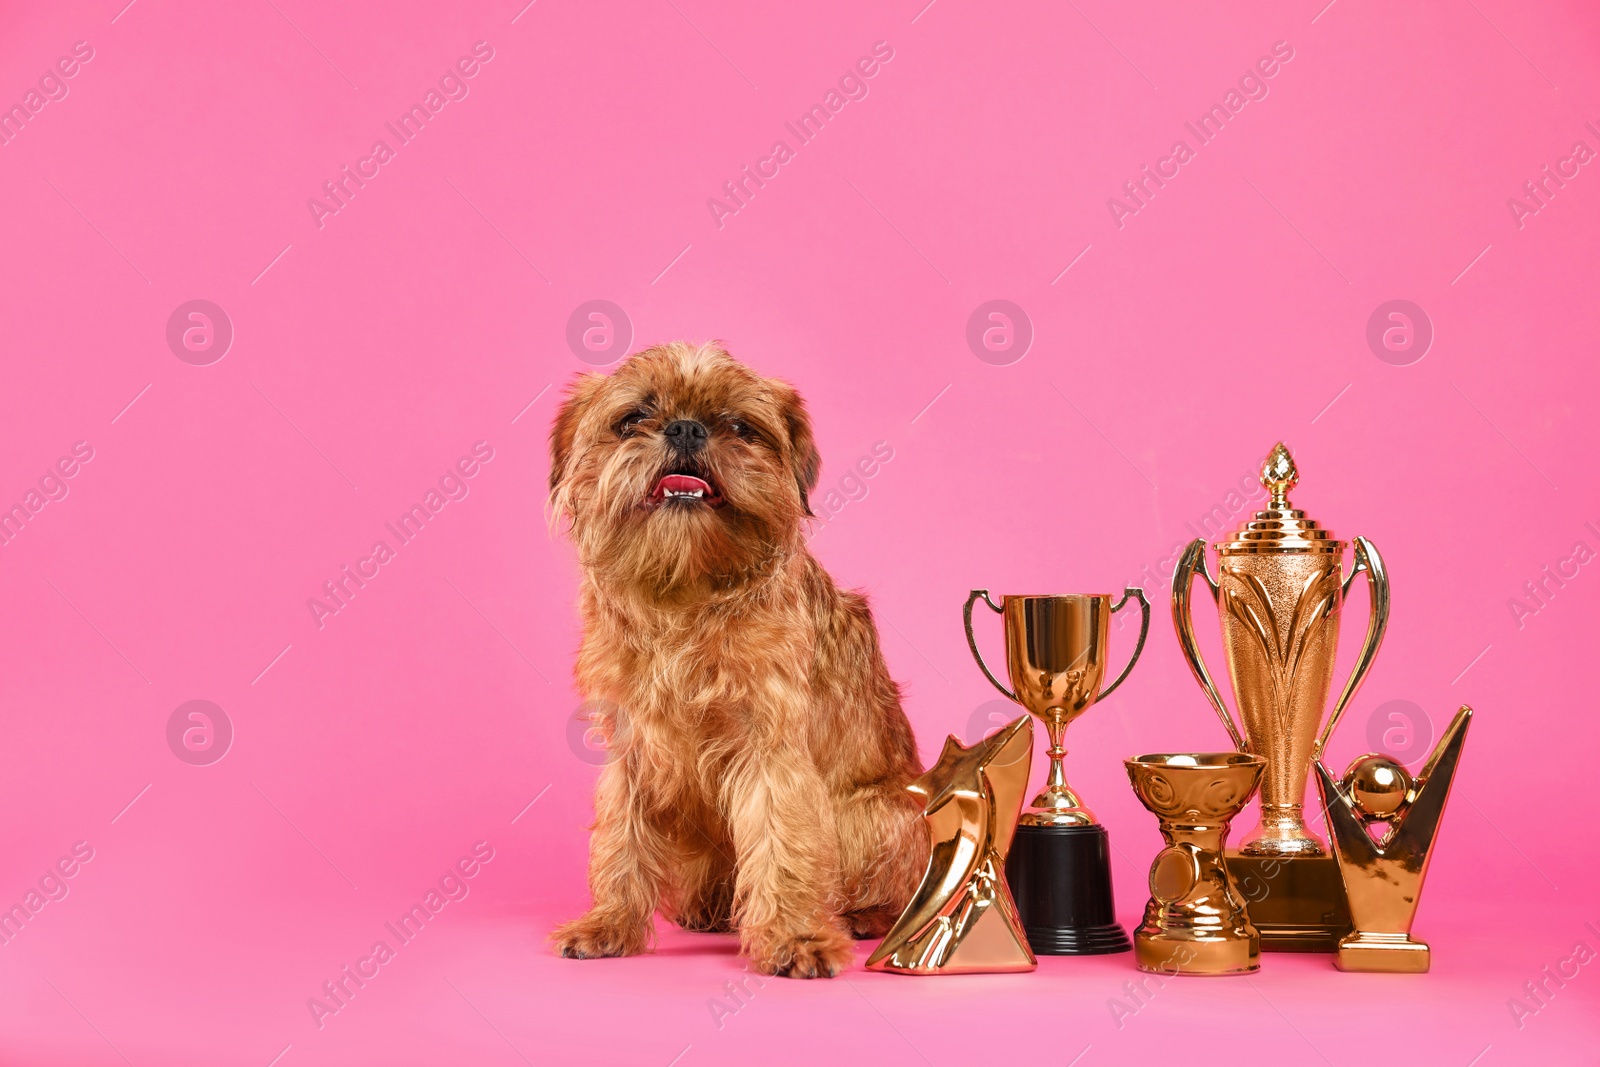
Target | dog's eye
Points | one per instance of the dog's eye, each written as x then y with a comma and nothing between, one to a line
742,429
628,425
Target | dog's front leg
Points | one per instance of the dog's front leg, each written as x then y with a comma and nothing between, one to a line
785,839
627,869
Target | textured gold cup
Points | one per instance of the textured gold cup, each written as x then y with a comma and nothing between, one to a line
1279,591
1196,922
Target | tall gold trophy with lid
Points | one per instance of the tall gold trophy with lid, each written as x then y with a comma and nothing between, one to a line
1279,591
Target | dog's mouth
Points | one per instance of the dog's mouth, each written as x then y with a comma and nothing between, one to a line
680,489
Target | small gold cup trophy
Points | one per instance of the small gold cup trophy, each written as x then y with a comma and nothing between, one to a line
1059,869
1195,922
1279,592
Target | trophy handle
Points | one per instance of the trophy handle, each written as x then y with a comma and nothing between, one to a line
972,642
1144,630
1193,562
1366,559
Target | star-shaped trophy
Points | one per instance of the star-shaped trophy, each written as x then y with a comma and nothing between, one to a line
962,920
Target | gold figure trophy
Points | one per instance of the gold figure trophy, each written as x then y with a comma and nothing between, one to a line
1059,869
1279,592
1383,872
962,920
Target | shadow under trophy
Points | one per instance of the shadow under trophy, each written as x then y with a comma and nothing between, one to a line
1279,591
1059,869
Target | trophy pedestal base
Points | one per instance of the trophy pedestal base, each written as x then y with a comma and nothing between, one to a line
1297,902
1172,956
1060,877
1383,953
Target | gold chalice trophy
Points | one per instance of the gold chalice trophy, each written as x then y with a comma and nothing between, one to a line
1383,871
1195,922
1060,868
961,920
1279,592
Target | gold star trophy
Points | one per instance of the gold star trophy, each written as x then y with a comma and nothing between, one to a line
962,920
1279,594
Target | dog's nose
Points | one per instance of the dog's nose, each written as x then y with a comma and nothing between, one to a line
686,435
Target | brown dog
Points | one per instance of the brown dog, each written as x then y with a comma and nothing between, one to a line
759,755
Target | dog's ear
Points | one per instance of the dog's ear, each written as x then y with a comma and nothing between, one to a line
580,393
804,458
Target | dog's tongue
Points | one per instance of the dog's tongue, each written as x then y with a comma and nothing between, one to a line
682,485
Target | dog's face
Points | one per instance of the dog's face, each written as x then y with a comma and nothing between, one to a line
683,468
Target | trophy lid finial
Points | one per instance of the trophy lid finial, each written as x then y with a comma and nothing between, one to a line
1280,526
1278,475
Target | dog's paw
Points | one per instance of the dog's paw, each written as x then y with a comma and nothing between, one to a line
820,955
590,938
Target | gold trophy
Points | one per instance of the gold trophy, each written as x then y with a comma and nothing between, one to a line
1196,921
962,920
1279,592
1383,872
1060,868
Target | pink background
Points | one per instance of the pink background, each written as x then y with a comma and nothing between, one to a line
431,313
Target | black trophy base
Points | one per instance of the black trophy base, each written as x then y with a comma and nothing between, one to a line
1298,903
1060,877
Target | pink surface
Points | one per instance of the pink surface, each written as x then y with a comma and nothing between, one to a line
572,158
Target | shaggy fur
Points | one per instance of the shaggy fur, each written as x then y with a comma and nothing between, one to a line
758,751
